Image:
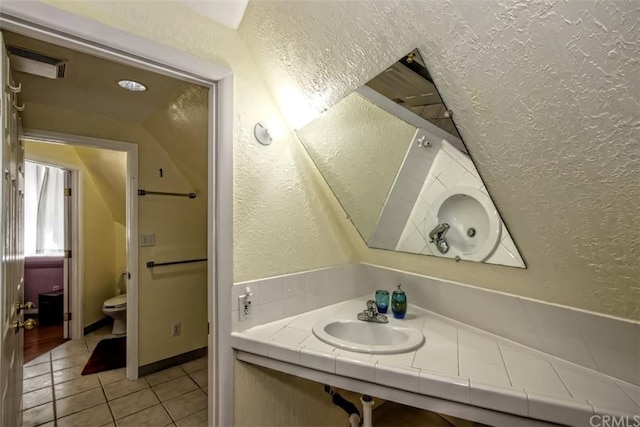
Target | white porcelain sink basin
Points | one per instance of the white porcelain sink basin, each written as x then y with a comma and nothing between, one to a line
367,337
474,223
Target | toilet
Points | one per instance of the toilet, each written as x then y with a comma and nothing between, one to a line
116,308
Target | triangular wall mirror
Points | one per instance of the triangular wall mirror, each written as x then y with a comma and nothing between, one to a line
395,161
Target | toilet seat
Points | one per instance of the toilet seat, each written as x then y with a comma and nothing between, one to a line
116,302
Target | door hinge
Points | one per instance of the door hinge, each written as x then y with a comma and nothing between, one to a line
67,192
67,317
67,253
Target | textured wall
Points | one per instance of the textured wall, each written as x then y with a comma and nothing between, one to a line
181,127
544,93
99,257
359,149
282,223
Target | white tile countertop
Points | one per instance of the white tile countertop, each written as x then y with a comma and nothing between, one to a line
457,362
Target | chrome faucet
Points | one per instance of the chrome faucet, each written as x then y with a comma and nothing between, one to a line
371,314
437,237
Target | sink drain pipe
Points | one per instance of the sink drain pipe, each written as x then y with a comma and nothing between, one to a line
367,410
348,407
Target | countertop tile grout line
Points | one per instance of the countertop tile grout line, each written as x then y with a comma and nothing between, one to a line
628,395
504,364
561,379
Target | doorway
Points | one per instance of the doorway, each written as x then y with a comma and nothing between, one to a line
90,36
47,223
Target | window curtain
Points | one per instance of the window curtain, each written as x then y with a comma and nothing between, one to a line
44,210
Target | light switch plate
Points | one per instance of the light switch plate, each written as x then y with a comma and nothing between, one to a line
148,240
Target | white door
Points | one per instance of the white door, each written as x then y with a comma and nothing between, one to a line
11,250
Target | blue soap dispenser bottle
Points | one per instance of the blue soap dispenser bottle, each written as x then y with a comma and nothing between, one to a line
399,303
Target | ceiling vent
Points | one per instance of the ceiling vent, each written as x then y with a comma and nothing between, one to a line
30,62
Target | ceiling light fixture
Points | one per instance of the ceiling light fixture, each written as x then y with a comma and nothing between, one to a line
132,85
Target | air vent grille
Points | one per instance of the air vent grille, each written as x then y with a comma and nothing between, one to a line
30,55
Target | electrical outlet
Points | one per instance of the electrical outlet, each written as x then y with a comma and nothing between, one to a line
244,306
148,240
175,331
56,288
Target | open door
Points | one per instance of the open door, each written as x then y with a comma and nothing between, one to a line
11,251
66,280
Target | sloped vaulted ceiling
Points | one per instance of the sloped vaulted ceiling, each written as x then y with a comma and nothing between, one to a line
546,95
181,127
172,111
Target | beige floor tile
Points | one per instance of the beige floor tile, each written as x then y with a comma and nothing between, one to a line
68,374
40,359
199,419
69,362
200,377
195,365
36,398
174,388
123,387
49,424
71,344
92,417
76,386
79,402
113,375
36,383
166,375
204,390
37,415
133,403
61,353
155,416
35,370
187,404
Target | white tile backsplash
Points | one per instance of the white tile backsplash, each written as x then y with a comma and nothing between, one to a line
279,297
603,343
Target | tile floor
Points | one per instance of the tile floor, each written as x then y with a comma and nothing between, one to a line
55,394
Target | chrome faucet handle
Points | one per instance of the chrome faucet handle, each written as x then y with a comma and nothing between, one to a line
438,232
371,314
372,309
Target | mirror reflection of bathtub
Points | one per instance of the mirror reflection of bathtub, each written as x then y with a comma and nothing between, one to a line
393,157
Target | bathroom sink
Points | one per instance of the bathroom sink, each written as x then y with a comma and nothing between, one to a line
368,337
474,224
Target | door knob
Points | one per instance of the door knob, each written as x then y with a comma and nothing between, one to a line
27,324
26,306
